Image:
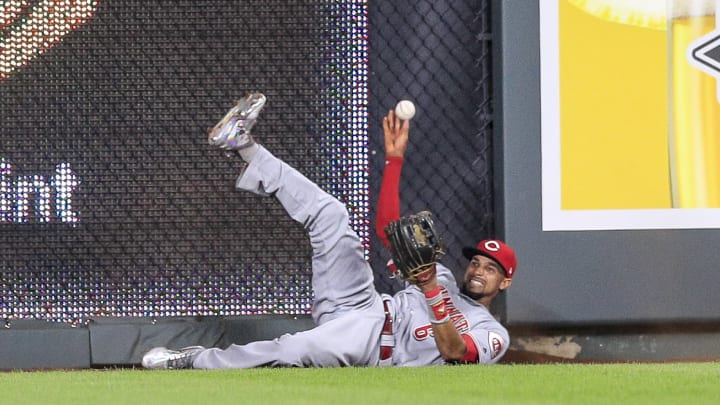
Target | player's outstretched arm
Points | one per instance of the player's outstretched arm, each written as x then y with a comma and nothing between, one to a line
396,133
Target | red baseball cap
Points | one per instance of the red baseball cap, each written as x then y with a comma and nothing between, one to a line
496,250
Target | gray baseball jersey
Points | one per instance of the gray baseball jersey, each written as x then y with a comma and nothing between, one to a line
414,343
347,309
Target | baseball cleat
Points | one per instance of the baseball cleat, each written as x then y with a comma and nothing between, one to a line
161,358
233,131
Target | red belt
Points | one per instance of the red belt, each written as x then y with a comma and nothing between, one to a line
387,340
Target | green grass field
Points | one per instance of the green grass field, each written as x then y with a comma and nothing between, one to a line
670,383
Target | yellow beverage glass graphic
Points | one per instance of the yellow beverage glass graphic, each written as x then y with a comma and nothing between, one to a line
613,106
694,133
690,118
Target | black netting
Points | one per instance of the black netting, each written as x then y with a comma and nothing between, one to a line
437,53
113,204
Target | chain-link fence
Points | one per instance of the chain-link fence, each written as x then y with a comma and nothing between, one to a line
436,53
113,204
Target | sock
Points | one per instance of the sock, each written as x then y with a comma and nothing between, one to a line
248,152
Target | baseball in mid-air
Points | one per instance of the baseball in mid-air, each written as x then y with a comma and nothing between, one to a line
405,109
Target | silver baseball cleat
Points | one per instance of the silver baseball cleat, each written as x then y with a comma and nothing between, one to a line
161,358
233,131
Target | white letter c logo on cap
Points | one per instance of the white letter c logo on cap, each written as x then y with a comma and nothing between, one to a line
492,246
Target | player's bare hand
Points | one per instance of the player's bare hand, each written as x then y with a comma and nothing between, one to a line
396,134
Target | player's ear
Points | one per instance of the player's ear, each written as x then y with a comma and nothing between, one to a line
505,284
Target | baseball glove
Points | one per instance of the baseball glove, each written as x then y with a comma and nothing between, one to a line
415,246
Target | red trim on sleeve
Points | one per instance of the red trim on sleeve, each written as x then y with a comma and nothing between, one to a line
471,355
388,209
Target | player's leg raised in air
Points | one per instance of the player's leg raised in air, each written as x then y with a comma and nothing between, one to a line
347,308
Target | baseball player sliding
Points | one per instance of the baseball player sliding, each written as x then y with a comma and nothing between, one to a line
430,322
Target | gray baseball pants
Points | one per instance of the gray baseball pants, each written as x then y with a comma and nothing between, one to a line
347,309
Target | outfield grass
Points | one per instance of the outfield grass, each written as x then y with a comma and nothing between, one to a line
671,383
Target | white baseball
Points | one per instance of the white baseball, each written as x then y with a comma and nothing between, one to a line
405,109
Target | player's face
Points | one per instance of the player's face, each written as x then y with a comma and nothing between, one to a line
484,278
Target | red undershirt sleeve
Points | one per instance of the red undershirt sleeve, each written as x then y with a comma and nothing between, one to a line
389,199
471,355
